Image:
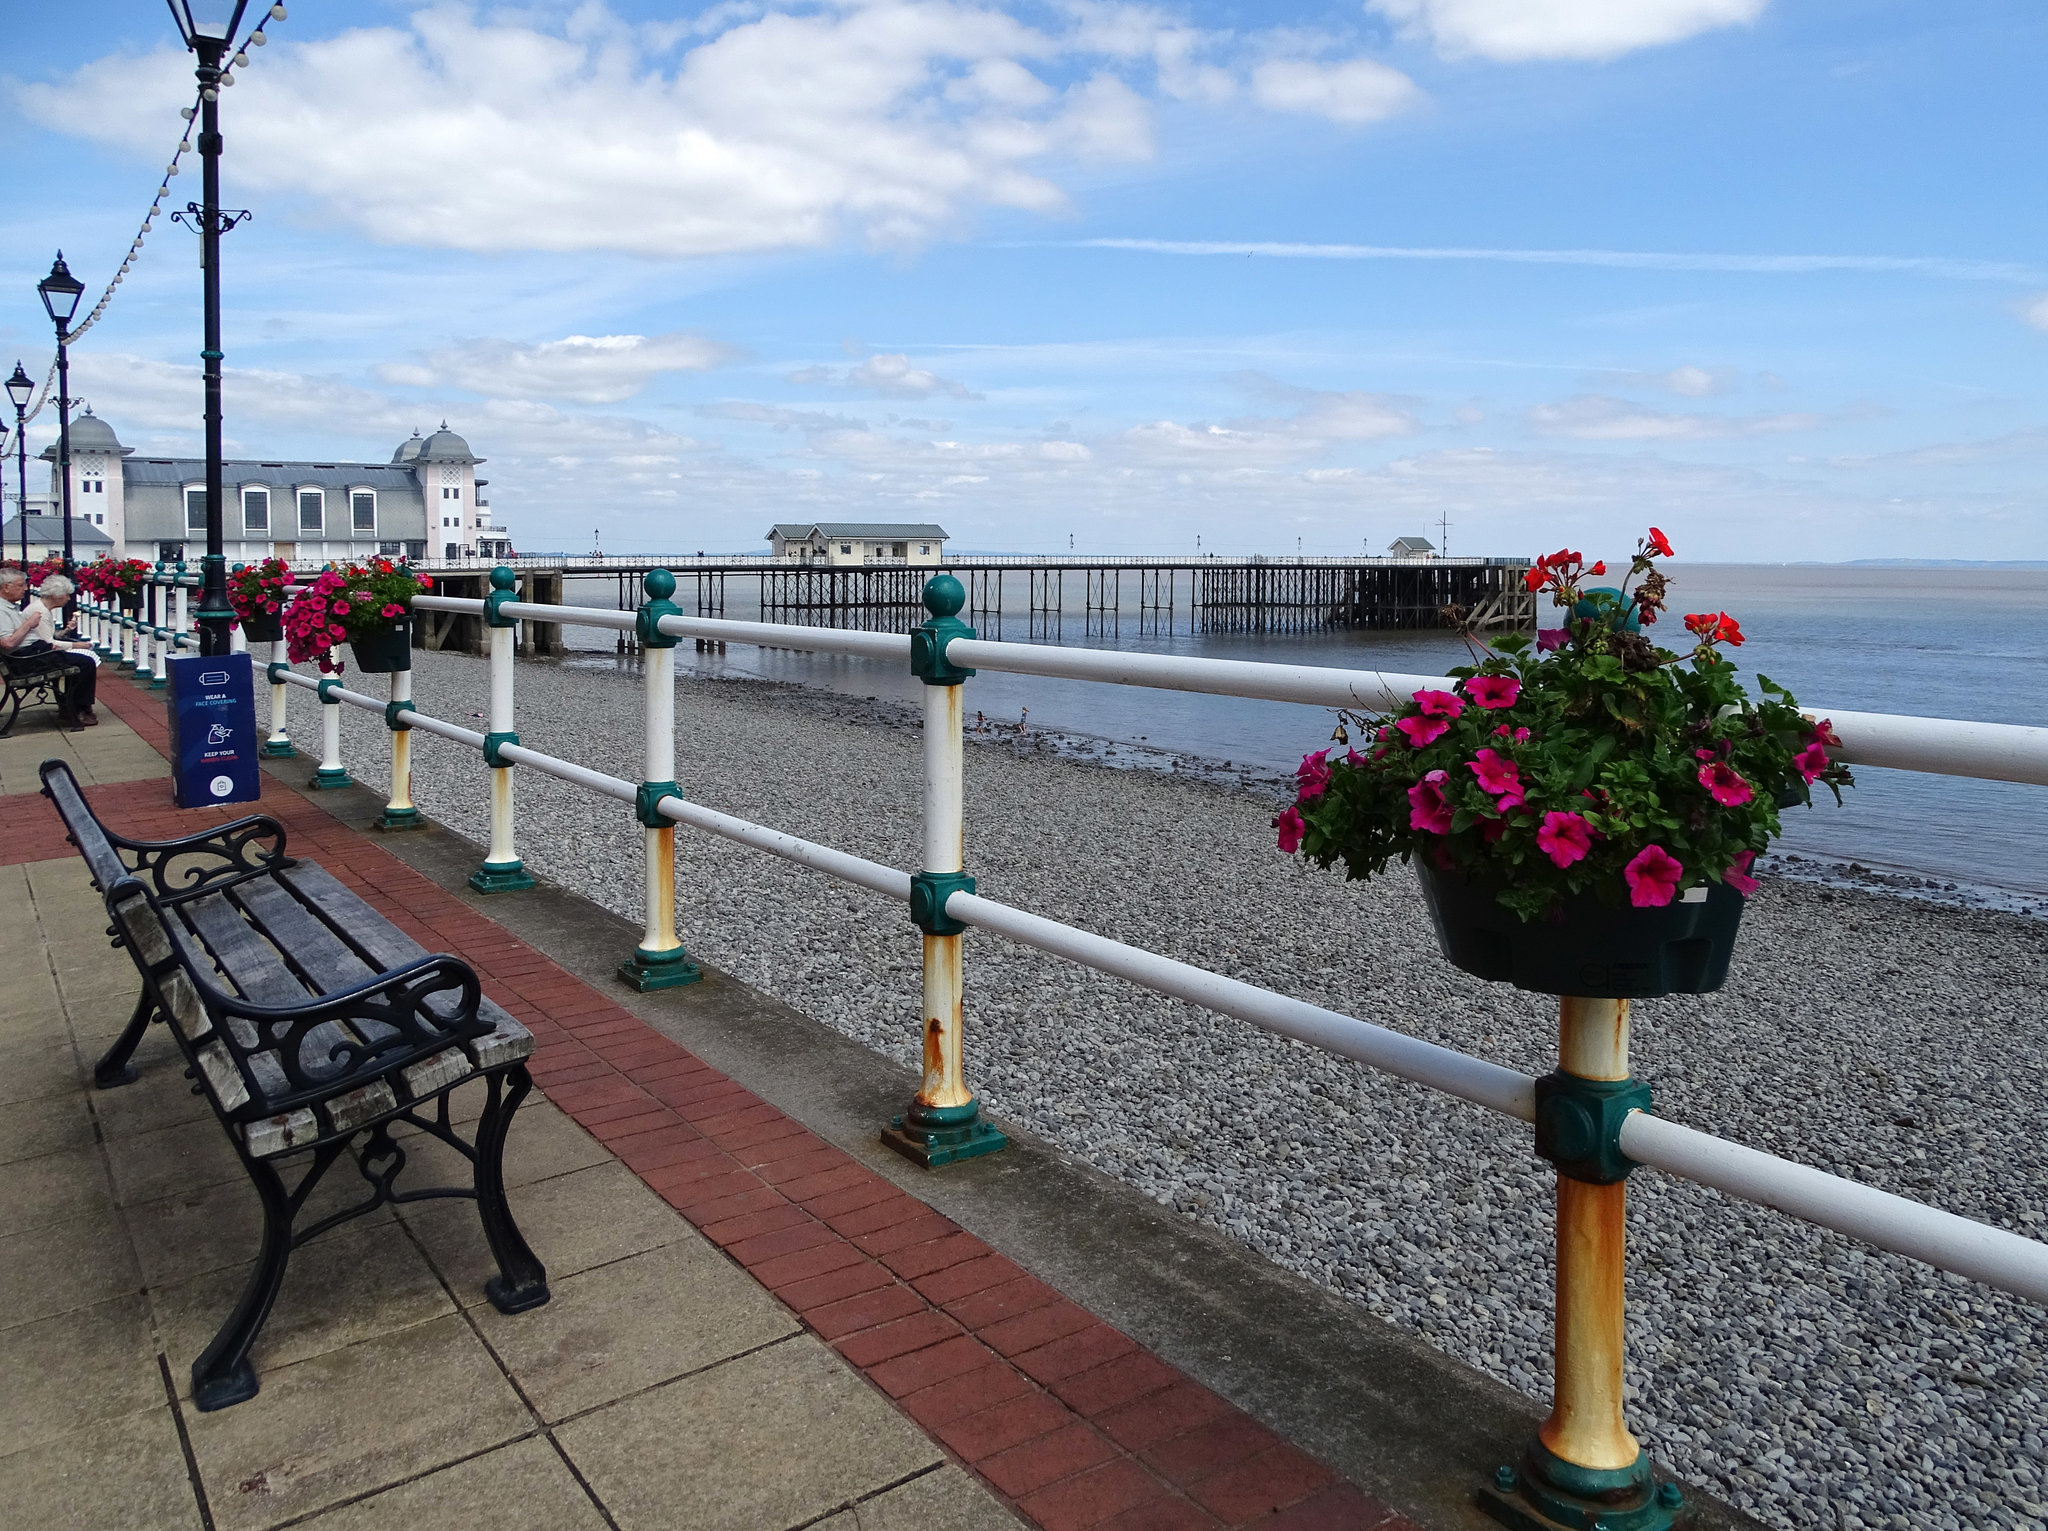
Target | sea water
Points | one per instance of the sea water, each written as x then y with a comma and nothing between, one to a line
1936,641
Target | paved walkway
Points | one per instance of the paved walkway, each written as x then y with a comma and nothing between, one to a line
749,1328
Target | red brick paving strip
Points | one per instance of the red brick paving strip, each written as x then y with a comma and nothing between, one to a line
1067,1418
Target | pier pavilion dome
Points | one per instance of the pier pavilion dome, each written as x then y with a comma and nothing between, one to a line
445,446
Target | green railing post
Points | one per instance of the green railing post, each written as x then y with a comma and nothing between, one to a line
943,1123
659,962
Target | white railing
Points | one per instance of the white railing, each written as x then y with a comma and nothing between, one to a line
943,1116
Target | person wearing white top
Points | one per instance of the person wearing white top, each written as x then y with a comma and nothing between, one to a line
30,628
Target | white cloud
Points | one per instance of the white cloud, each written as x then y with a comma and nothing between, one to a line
1353,91
757,128
586,369
1520,30
1597,417
1688,382
777,416
891,375
2035,311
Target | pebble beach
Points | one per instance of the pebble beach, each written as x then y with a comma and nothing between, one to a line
1902,1042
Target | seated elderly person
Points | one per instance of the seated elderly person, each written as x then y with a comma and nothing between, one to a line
29,629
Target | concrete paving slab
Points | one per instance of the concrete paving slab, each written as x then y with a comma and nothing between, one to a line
772,1440
355,1286
521,1487
161,1095
62,1266
127,1473
37,1069
946,1500
575,1221
53,1189
543,1143
630,1325
48,1125
352,1421
151,1165
31,1012
112,752
76,1369
207,1227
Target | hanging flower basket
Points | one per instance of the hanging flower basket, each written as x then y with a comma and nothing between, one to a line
259,593
1584,812
382,651
365,605
1582,946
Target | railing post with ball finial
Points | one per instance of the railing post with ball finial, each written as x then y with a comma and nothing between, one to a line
659,962
943,1123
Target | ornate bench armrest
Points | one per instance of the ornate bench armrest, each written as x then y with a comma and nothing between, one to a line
397,999
208,860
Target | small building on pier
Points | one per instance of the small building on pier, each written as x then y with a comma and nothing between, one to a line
857,544
1412,547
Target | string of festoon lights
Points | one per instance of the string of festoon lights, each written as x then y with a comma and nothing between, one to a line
256,39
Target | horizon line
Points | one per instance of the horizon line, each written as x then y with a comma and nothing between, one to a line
1652,260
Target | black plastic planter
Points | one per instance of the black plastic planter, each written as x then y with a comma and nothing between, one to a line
1583,946
385,649
266,627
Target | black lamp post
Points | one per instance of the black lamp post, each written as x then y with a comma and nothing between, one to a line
21,388
61,292
209,27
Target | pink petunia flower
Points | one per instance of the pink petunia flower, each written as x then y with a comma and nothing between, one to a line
1550,639
1565,838
1439,704
1653,877
1703,755
1423,731
394,610
1493,691
1498,775
1811,761
1725,785
1737,876
1519,735
337,632
341,608
1427,810
1313,775
1291,830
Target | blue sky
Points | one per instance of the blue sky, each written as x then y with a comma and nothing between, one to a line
1770,273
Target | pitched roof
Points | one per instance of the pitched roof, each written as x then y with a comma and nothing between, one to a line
50,529
865,529
279,475
1411,545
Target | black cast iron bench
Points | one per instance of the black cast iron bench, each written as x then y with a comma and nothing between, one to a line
29,679
313,1025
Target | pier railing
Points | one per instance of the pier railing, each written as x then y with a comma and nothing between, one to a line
943,1122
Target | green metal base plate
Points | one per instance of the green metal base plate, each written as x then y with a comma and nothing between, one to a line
937,1135
669,970
1547,1493
330,781
279,751
501,878
158,682
396,819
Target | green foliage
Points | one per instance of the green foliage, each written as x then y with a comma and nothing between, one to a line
1555,765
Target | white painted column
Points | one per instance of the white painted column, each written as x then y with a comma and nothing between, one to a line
399,812
502,871
945,1073
279,745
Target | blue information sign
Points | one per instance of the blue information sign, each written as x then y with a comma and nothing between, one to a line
213,730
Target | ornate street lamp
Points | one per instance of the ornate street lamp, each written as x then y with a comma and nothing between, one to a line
209,28
21,388
61,292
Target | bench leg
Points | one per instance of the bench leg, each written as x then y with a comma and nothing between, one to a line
113,1069
522,1281
223,1375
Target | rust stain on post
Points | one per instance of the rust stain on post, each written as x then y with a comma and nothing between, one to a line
401,769
1586,1424
1593,1037
661,890
945,1070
